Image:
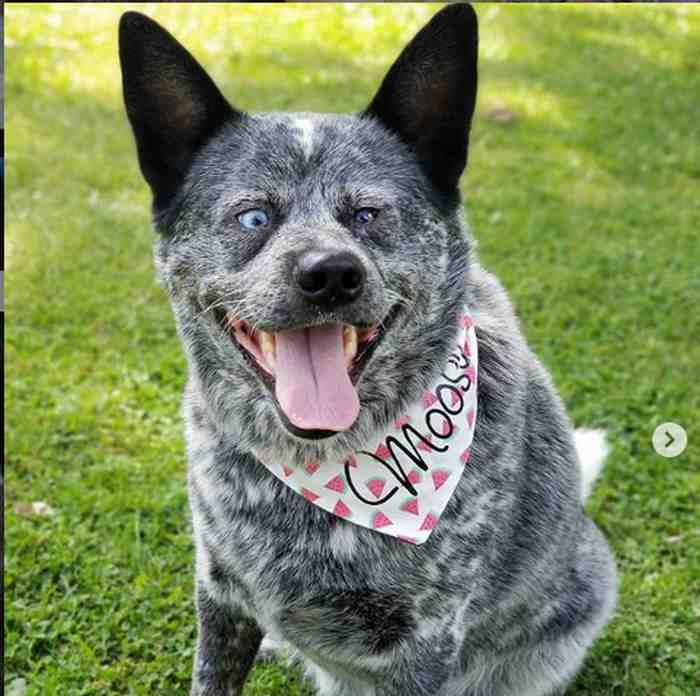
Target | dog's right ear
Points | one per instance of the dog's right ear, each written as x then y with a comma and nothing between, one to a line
172,104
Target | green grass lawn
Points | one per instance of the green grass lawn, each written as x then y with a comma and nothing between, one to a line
583,189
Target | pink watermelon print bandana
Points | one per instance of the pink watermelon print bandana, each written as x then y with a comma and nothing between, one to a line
401,482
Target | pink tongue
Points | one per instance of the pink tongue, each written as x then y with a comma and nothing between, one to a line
311,381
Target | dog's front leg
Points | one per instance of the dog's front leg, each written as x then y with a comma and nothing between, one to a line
226,647
425,683
421,669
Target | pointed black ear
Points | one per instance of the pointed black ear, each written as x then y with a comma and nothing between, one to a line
428,95
172,104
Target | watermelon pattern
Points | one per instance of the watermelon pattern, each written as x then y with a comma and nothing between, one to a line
374,487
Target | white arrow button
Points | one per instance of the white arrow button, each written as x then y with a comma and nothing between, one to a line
669,439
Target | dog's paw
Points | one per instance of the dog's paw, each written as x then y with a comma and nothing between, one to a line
271,650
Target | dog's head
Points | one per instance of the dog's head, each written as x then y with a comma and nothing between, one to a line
315,263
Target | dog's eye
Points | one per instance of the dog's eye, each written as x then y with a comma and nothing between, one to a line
252,219
364,216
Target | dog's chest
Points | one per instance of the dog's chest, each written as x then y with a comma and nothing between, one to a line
298,571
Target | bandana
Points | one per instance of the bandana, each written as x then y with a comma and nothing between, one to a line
401,482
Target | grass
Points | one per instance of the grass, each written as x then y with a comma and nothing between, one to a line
583,190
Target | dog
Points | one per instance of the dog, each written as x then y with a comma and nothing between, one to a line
318,267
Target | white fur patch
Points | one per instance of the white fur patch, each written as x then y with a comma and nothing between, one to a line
305,129
328,685
270,648
342,541
592,450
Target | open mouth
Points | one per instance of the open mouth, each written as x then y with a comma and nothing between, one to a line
311,371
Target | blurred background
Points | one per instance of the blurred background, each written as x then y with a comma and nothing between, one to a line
582,188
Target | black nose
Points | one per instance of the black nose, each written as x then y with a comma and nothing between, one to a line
330,278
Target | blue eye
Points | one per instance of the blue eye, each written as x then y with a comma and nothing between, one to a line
252,219
364,216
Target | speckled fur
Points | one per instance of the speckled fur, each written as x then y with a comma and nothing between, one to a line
515,583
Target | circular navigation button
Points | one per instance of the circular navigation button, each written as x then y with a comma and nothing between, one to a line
669,440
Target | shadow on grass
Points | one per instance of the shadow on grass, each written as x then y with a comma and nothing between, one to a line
630,106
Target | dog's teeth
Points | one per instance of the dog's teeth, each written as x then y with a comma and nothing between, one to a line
267,348
367,335
232,322
349,344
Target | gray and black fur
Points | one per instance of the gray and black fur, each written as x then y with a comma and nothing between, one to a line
516,582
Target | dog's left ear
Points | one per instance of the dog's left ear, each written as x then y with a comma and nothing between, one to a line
428,95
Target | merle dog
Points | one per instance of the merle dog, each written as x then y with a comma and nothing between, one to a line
316,265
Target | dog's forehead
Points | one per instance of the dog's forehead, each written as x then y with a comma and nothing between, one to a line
310,133
305,125
290,150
